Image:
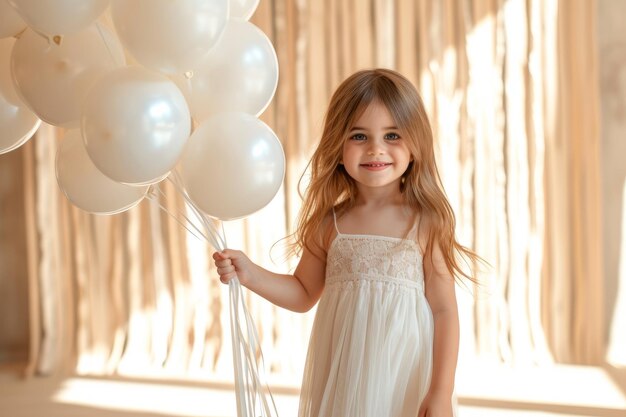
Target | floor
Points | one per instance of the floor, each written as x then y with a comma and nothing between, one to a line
559,391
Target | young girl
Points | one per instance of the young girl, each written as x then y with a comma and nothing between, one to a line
378,250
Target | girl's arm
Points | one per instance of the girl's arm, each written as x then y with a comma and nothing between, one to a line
440,293
298,292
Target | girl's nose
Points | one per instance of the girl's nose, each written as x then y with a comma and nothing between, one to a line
375,150
376,146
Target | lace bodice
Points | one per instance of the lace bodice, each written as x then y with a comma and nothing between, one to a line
354,258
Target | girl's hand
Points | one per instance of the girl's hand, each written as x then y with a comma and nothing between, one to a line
231,263
436,404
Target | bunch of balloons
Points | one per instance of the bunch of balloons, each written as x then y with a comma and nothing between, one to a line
130,80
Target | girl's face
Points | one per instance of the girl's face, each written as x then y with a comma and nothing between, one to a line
375,154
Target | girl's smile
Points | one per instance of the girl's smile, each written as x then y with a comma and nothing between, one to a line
376,166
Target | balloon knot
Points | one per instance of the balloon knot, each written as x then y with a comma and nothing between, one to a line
57,39
188,74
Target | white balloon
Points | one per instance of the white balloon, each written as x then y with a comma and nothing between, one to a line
239,75
233,166
135,124
53,79
18,125
169,36
7,89
242,9
11,23
59,17
85,186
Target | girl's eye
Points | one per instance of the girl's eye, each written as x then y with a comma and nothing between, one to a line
358,136
392,136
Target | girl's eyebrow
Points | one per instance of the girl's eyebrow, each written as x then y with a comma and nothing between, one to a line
364,128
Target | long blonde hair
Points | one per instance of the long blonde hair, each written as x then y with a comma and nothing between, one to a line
331,186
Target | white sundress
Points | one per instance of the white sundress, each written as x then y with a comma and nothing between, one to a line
370,351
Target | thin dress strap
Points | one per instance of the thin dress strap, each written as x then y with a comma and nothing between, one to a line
335,220
413,229
415,232
412,233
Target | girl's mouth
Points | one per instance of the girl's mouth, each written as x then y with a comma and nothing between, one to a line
375,166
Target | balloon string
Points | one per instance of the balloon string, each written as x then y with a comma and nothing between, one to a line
175,179
216,240
250,398
106,44
248,371
211,237
47,38
154,197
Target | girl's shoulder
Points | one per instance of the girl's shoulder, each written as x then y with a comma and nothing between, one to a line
329,228
326,234
428,233
423,227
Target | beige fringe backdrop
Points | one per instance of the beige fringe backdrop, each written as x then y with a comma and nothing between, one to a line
511,88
